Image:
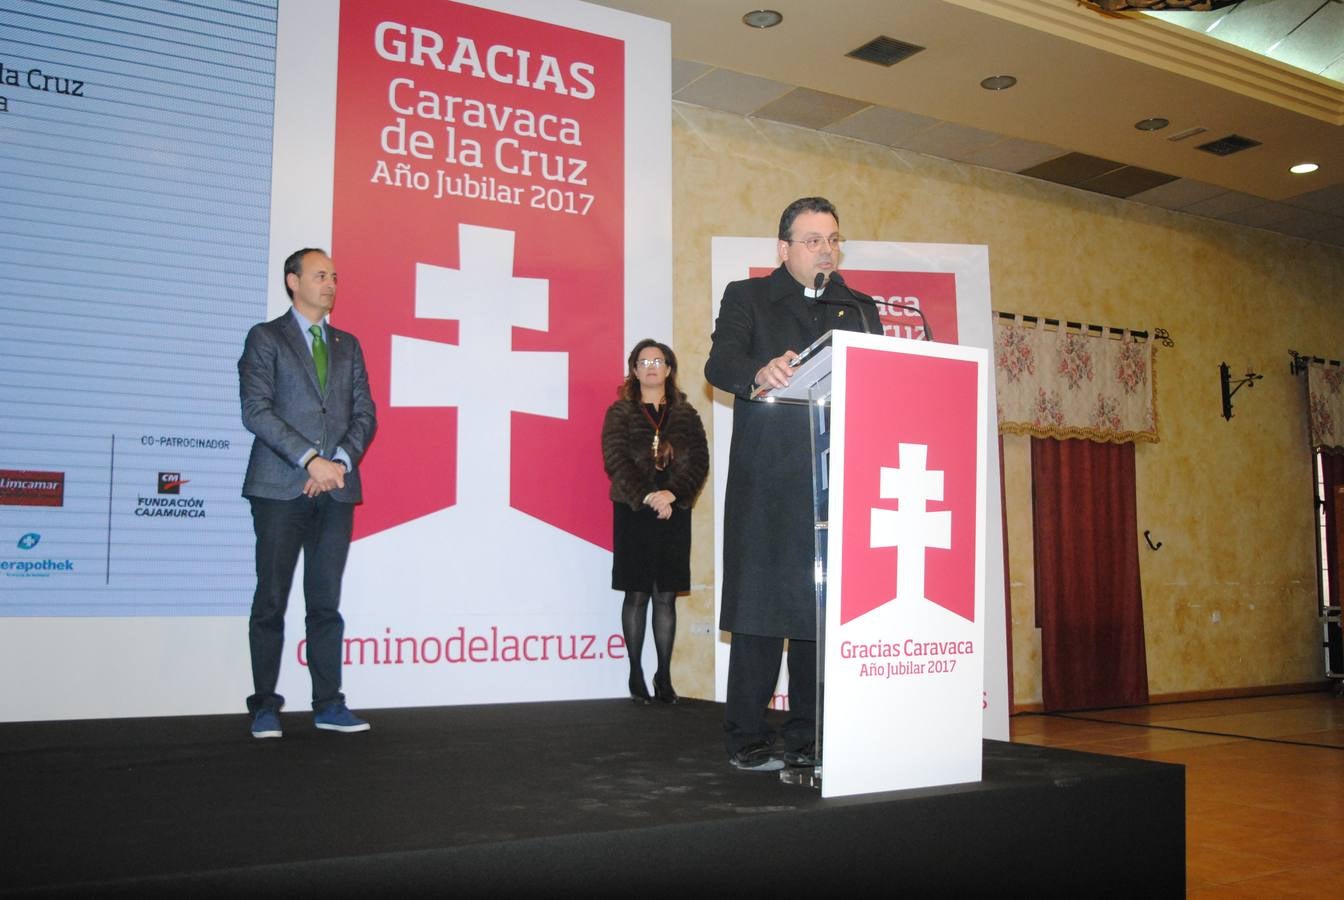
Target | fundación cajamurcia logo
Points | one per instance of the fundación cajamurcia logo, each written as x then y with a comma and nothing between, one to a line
168,501
171,482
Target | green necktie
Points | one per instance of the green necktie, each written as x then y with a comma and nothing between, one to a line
319,356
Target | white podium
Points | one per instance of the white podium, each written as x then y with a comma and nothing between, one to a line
898,438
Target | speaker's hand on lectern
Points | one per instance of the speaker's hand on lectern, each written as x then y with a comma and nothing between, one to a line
776,373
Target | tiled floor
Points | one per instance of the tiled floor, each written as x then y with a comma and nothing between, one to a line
1264,784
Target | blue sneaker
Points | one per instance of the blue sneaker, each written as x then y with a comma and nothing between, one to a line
338,717
266,723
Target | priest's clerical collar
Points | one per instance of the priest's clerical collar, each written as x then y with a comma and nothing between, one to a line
813,293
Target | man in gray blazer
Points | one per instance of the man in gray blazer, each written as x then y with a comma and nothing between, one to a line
305,398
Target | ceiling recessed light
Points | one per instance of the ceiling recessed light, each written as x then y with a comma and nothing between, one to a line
1188,133
1156,123
1303,168
998,82
762,18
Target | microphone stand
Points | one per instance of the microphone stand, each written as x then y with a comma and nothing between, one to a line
852,302
928,332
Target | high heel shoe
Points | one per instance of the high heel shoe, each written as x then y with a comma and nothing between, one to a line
639,693
662,689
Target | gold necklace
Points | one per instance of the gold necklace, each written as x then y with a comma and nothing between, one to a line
657,426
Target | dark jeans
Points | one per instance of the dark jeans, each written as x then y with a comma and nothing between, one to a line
321,528
753,671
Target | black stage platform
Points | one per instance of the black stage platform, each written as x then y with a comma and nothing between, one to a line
592,798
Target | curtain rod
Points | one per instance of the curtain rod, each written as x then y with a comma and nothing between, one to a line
1301,361
1159,334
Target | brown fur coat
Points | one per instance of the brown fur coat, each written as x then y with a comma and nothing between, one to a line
627,439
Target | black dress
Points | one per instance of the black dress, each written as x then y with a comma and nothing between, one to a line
649,553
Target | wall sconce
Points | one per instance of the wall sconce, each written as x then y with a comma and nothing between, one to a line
1230,386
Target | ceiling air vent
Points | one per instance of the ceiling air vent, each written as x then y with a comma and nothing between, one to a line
884,51
1233,143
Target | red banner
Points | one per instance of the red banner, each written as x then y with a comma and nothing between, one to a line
910,482
450,115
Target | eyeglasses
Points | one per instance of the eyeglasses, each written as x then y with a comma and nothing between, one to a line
651,363
813,244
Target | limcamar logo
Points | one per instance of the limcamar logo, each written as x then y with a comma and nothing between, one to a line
20,487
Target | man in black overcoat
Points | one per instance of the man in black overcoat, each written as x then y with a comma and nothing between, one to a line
769,592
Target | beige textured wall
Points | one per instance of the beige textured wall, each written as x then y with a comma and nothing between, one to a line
1230,598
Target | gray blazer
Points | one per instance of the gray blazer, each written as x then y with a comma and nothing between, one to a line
288,414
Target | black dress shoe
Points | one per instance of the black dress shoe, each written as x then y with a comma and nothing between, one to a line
639,693
662,689
805,756
757,757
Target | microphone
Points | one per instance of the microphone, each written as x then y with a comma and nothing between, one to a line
928,332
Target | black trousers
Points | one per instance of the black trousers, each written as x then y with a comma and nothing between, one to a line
321,528
753,671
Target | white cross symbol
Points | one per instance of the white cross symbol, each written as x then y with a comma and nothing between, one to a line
482,375
911,528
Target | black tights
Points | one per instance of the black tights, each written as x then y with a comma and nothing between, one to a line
634,612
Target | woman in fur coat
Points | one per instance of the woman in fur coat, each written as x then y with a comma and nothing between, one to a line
655,452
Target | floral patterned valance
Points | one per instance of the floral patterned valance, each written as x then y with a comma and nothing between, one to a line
1325,402
1063,383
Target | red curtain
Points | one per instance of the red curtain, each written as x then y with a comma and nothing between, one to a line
1007,581
1332,467
1089,603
